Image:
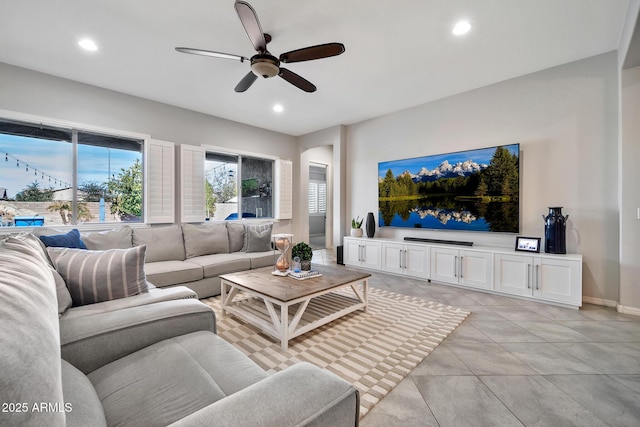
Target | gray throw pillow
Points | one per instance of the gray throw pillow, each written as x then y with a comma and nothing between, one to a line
163,243
255,227
119,238
259,241
64,297
97,276
205,239
236,236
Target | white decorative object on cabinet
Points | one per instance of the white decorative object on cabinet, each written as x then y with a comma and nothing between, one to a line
360,252
550,278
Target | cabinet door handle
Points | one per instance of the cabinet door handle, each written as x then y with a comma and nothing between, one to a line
360,253
461,262
528,276
455,267
537,277
400,260
405,258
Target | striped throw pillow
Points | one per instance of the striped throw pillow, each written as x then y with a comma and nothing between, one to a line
97,276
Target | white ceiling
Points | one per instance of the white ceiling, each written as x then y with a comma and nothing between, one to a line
398,54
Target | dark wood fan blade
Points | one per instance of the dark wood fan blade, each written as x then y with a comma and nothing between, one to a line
313,52
296,80
246,82
211,53
251,25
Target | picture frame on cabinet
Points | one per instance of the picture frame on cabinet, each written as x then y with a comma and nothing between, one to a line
528,244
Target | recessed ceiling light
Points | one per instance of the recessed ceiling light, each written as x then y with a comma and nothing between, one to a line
88,44
462,27
278,108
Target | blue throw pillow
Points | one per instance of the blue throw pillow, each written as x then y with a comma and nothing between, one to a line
67,240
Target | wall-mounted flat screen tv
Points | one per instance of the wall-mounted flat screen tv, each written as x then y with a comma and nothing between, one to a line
474,190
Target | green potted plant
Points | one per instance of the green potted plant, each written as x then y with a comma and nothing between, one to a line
304,252
356,224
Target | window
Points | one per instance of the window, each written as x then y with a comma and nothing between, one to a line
317,190
58,176
257,181
317,197
235,184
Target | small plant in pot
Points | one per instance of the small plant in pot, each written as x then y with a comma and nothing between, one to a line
304,252
356,227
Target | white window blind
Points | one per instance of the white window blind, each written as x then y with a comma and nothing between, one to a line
159,164
313,197
317,197
192,201
283,187
322,197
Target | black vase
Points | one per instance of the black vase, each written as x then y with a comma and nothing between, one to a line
371,225
555,229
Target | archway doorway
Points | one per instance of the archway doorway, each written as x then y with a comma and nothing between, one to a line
317,205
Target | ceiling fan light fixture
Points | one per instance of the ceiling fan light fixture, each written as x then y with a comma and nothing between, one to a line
264,67
263,64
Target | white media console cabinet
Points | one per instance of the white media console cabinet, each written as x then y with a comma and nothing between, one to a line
541,277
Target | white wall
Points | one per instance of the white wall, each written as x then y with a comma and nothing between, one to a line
566,120
334,137
30,92
630,193
322,155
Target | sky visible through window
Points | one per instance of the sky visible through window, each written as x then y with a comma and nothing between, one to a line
50,163
413,165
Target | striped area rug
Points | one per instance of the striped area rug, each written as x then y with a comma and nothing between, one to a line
373,351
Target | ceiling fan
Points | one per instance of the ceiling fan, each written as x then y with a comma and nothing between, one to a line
263,64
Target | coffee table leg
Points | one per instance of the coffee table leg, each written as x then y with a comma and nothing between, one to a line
365,292
226,298
223,297
284,325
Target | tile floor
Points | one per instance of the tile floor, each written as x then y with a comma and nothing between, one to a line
515,362
317,242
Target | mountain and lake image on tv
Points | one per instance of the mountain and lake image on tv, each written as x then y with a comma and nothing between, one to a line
474,190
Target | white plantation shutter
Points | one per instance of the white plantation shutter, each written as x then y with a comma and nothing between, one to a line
313,197
283,200
322,197
317,197
191,185
159,180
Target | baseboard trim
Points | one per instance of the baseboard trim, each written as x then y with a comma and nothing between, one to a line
634,311
600,301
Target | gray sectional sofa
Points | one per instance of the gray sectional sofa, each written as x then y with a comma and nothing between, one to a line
190,255
142,360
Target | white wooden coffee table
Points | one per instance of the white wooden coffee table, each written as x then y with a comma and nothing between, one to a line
284,307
